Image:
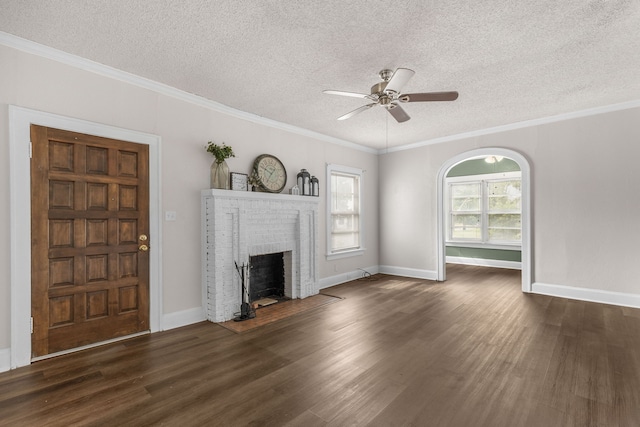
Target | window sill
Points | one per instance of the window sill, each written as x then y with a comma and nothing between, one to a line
345,254
504,246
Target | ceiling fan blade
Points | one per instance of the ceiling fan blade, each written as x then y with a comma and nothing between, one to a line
398,113
400,78
430,96
351,94
356,111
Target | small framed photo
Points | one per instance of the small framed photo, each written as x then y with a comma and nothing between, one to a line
239,181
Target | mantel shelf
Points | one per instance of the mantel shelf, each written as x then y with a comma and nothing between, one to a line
256,195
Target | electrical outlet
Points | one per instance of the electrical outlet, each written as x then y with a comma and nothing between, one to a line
170,215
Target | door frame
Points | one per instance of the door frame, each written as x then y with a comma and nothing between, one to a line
527,243
20,121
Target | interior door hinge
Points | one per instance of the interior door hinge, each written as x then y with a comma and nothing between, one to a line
30,149
31,322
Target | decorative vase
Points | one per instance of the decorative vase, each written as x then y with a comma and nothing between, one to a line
220,175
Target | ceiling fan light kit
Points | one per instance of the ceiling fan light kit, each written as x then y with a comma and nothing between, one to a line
387,94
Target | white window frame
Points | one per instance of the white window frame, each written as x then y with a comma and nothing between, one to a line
330,253
483,242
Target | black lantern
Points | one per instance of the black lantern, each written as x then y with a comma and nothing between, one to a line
315,186
304,182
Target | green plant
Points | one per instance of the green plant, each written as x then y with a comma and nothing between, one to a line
220,152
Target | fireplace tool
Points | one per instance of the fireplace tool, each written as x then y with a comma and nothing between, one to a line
246,311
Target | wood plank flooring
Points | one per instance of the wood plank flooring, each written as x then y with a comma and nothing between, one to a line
473,351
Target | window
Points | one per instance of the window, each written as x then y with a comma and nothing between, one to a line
485,209
344,214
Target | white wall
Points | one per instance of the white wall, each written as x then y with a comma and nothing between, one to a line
584,181
37,83
585,200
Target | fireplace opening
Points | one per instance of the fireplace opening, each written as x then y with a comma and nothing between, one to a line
267,278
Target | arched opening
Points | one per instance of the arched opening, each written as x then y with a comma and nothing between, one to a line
526,244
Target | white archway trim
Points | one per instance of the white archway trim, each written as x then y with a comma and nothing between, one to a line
20,120
526,208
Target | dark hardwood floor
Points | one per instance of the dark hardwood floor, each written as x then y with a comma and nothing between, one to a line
473,351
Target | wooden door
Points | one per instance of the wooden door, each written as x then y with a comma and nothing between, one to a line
89,229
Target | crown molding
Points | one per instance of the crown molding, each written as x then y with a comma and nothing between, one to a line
518,125
79,62
76,61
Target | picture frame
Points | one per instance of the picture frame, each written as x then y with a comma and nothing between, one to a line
239,181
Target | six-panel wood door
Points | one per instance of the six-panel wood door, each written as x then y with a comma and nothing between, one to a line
90,229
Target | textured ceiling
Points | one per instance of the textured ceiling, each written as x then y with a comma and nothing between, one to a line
510,60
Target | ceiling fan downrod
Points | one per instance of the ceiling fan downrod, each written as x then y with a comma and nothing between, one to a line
385,75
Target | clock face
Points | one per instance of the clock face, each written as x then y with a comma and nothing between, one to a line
270,172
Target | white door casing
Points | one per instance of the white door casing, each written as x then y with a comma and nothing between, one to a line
523,163
20,120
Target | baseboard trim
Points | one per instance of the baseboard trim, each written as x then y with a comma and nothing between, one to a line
586,294
496,263
5,359
327,282
183,318
409,272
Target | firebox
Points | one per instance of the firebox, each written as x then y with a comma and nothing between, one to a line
267,276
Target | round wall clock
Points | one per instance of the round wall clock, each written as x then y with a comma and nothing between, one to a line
270,173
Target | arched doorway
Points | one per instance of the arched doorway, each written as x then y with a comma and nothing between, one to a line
526,208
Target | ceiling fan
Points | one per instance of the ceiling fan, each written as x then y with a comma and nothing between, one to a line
387,94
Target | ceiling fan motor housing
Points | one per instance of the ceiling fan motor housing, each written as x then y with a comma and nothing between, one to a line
386,101
383,98
378,88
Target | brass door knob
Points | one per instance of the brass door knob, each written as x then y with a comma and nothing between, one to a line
143,237
144,248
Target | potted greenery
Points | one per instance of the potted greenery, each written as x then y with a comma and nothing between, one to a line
252,181
219,167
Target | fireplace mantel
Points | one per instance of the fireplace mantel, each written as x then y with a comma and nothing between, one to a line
239,224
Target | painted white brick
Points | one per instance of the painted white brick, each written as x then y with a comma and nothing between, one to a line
238,225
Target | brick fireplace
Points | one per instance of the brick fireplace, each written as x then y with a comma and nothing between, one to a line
237,225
